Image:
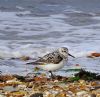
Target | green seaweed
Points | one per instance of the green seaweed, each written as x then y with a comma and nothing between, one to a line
68,70
21,78
74,78
86,75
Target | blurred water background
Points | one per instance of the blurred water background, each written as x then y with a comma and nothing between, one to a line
36,27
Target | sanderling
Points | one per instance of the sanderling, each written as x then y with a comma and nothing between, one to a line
53,61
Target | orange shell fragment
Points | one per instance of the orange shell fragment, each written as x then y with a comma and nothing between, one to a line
92,55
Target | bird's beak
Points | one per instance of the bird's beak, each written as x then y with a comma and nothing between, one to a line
71,55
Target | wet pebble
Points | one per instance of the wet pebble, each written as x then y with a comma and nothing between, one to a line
92,95
37,95
22,87
81,93
40,86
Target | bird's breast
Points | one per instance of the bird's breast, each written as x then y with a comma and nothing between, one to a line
53,67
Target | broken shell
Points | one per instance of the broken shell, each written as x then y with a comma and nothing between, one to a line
95,54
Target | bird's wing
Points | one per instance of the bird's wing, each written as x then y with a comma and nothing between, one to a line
54,58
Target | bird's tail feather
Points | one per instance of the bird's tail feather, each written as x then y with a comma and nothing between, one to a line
32,63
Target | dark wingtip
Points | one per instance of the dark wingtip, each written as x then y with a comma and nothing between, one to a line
30,63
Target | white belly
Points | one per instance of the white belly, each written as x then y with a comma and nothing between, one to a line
52,67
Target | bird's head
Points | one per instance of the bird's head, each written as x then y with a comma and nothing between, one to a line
64,52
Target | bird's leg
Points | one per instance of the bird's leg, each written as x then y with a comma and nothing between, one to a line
0,72
52,76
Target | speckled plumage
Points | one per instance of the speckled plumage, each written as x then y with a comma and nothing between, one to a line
54,58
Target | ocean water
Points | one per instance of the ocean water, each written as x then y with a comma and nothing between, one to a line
36,27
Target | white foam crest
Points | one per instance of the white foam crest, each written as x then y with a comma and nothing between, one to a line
81,53
23,13
96,17
20,8
35,52
59,25
59,16
70,9
7,15
25,50
83,50
5,52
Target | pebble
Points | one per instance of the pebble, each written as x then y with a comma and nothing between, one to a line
37,95
81,93
1,95
22,87
92,95
43,87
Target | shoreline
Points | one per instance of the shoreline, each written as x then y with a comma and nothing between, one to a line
83,84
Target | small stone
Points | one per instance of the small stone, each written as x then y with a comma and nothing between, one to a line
30,85
57,88
9,88
36,69
46,93
21,87
82,81
94,83
70,94
83,87
40,79
51,95
2,85
16,94
81,93
62,94
2,95
25,58
13,83
55,81
92,95
6,77
72,89
37,95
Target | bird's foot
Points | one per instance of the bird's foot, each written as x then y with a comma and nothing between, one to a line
52,75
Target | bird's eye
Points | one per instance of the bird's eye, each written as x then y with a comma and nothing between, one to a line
63,51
